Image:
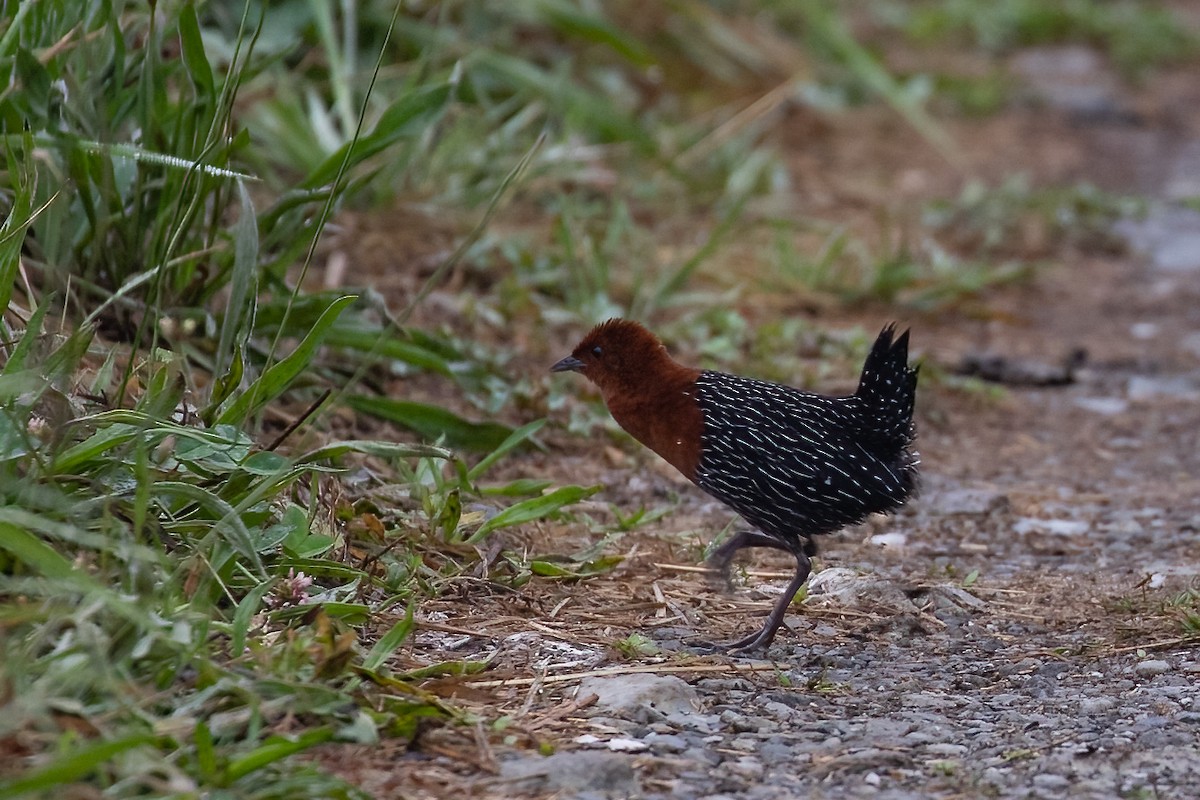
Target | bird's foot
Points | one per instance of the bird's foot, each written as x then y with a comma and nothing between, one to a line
753,643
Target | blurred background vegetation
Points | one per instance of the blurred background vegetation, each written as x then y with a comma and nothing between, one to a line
280,282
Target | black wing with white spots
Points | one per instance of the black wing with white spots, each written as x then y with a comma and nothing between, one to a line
795,464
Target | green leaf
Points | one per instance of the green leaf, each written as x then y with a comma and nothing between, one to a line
265,463
206,753
521,487
14,384
408,117
301,541
225,383
550,567
229,525
443,668
515,438
434,422
390,641
384,342
241,617
374,448
239,315
407,716
72,766
351,613
275,748
100,442
536,508
450,514
33,332
33,552
193,53
275,381
20,185
567,18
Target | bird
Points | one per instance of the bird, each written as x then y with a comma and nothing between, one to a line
792,463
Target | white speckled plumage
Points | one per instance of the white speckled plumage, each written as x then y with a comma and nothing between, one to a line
793,463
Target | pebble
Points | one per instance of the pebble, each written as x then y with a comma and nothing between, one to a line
1051,783
778,710
946,750
639,697
747,767
1096,705
737,721
1151,667
610,774
666,743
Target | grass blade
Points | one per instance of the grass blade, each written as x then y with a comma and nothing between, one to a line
408,116
275,748
433,422
73,766
515,438
33,552
533,509
391,640
275,381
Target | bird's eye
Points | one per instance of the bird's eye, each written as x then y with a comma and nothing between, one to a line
597,351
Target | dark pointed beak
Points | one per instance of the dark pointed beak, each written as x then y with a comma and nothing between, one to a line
568,364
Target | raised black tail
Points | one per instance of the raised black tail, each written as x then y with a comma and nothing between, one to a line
888,389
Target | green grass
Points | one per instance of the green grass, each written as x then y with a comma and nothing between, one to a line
1137,36
178,580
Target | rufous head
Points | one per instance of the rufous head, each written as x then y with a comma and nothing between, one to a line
617,354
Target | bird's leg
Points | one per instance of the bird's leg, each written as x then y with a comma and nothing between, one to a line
763,637
722,557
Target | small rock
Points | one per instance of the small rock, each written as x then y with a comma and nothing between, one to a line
747,744
1096,705
969,501
1070,78
947,595
704,723
701,757
1051,783
778,710
738,722
1151,667
640,697
1169,234
1056,527
1179,387
610,774
623,744
1106,406
666,743
1144,330
925,700
890,539
1191,343
747,767
845,587
946,750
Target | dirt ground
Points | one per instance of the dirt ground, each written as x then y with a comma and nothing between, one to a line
1020,630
